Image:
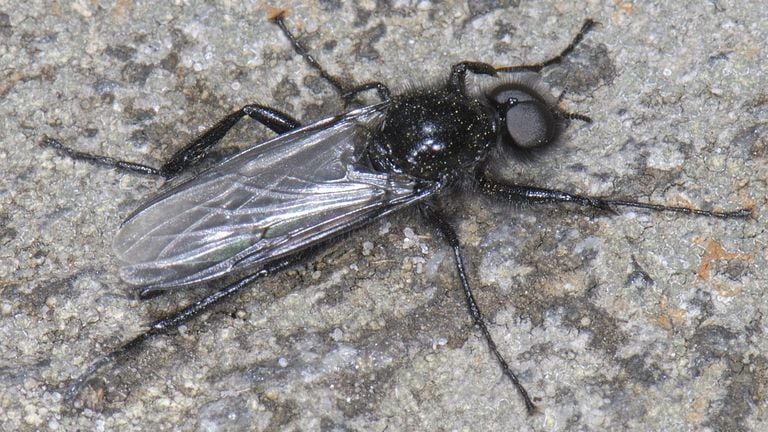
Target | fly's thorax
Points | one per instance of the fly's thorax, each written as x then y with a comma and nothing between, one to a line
431,134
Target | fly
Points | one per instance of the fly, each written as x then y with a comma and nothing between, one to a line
263,208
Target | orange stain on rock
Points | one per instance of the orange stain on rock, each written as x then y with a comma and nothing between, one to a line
713,252
669,315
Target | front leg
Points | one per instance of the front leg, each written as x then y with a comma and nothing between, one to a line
510,192
457,79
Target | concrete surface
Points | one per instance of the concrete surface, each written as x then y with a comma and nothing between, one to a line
638,321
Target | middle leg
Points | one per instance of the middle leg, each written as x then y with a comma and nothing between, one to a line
347,93
439,221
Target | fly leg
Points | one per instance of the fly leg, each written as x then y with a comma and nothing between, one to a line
537,67
196,151
444,228
279,19
381,90
457,78
347,93
191,154
168,323
530,194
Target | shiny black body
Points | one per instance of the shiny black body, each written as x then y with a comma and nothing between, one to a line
426,139
434,134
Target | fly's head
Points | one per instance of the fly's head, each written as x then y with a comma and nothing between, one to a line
524,120
433,134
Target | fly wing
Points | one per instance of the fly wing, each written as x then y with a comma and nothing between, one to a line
270,200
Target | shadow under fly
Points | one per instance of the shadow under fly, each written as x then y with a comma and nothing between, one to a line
261,209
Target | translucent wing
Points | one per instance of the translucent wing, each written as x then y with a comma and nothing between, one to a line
270,200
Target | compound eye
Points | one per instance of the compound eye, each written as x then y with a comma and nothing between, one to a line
504,92
529,124
526,120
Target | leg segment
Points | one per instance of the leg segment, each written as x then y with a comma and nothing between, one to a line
445,229
456,80
381,90
540,195
279,20
105,161
163,325
347,94
195,151
536,67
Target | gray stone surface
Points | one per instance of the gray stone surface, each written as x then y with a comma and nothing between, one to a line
638,321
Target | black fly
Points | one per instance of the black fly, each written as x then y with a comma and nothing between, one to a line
263,208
